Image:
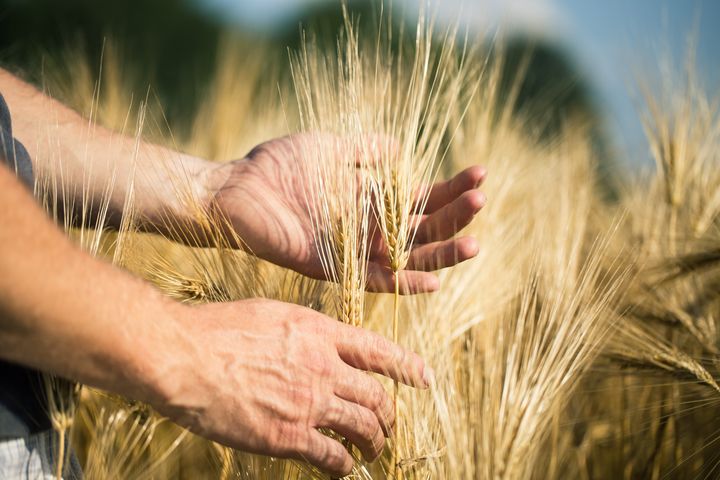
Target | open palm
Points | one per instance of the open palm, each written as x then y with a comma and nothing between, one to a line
264,196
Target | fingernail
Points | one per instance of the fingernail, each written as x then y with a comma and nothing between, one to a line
485,199
428,376
480,201
473,247
483,174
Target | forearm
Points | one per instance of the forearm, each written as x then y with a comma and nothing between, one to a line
63,312
87,159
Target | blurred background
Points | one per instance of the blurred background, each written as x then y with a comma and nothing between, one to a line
584,56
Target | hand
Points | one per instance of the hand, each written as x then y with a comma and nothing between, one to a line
263,376
264,198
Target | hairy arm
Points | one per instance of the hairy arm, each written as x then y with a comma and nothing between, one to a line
63,312
90,157
255,375
262,196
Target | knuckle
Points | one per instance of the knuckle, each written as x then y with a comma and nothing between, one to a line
373,439
300,395
335,456
418,364
377,398
411,364
326,410
399,361
377,348
319,324
283,439
320,364
383,398
368,425
347,332
378,444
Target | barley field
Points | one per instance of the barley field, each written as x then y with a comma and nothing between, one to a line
582,341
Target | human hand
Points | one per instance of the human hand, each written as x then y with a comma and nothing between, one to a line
263,376
264,198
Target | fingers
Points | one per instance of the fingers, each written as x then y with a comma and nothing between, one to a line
380,279
450,219
442,193
359,387
437,255
375,148
356,423
325,453
423,258
367,350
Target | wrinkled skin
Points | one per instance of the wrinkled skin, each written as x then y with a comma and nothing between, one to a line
265,375
274,373
264,197
256,375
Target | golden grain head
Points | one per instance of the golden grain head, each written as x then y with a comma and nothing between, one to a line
581,343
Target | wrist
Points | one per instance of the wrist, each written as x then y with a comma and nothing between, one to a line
160,371
177,387
218,183
144,350
179,183
192,194
211,181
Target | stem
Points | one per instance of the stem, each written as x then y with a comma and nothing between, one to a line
226,469
396,386
61,454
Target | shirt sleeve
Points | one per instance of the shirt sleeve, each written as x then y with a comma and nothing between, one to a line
12,152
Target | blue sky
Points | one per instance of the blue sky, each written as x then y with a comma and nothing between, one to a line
612,41
615,41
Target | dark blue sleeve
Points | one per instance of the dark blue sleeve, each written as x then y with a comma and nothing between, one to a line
23,411
12,152
5,123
